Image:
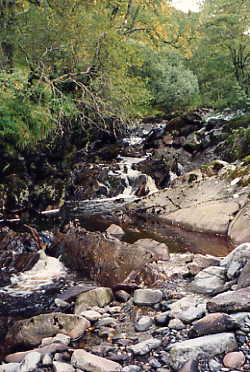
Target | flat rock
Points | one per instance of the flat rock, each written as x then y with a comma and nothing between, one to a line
92,363
213,323
230,301
209,281
100,297
147,296
31,331
207,346
212,217
239,231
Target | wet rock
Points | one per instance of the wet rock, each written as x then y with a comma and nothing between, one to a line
143,324
115,230
207,346
97,297
234,360
144,347
92,363
213,323
63,367
30,362
239,231
209,281
235,260
32,331
96,255
159,250
230,301
147,296
18,252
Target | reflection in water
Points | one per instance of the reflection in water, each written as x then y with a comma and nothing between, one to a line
179,240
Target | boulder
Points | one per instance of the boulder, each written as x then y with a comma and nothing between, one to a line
230,301
213,323
239,231
211,217
92,363
147,296
209,281
206,346
97,255
235,260
97,297
30,332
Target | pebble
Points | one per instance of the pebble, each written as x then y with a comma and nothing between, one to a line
234,359
176,324
143,324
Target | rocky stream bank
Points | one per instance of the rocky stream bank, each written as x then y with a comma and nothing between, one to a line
144,264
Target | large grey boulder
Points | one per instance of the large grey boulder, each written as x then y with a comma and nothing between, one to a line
230,301
209,281
207,346
30,332
92,363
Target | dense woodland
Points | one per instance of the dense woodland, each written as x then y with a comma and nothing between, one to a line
106,63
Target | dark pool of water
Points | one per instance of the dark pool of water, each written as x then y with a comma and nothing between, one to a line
179,240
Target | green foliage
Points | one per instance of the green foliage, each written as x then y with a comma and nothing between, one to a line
28,113
172,85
